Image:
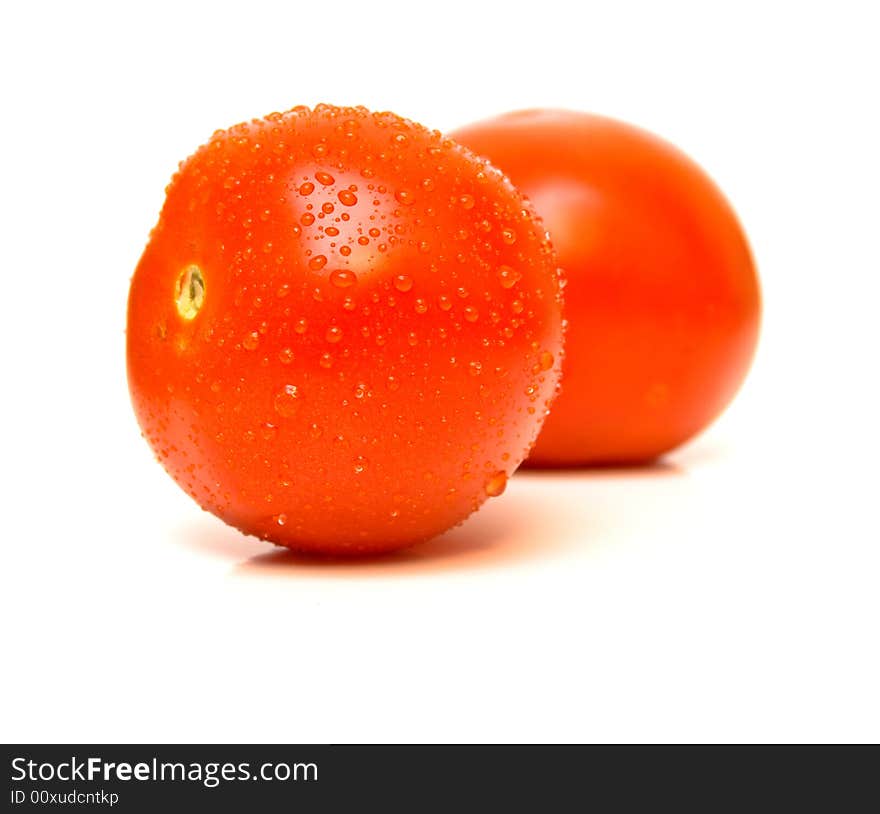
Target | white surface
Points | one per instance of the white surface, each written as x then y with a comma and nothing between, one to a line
730,594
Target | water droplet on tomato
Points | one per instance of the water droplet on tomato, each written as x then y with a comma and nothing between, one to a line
508,277
496,484
287,401
403,282
342,278
347,197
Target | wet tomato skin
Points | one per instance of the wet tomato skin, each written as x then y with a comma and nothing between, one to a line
344,332
662,295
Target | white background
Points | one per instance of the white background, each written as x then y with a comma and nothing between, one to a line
730,593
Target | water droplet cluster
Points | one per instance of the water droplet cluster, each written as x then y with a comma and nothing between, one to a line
377,337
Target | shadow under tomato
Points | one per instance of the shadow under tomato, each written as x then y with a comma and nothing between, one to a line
544,514
658,468
503,532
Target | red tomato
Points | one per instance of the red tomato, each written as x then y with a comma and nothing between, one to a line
342,334
662,296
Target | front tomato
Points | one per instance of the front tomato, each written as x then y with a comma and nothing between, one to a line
344,332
